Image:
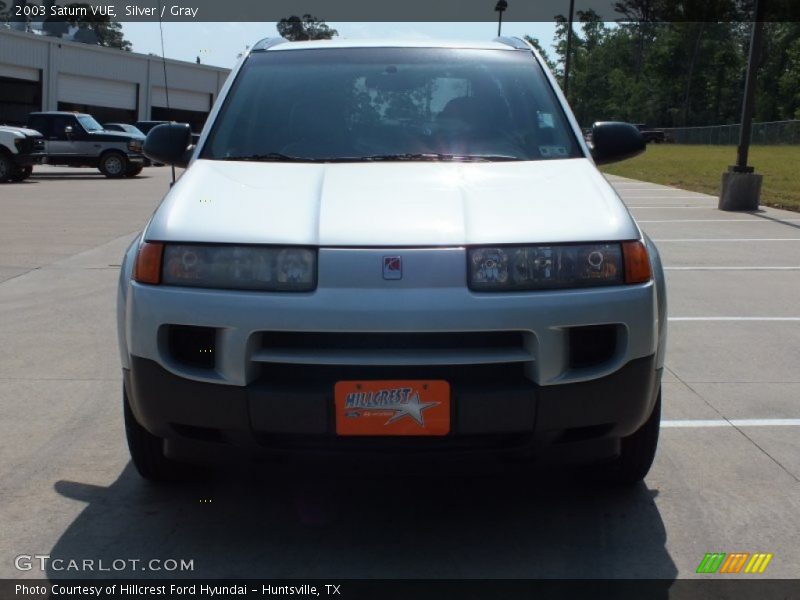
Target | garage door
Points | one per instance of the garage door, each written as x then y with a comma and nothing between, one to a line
182,99
15,72
97,92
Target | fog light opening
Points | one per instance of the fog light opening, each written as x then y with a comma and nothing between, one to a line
591,345
193,346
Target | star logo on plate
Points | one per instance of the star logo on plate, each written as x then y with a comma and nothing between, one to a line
413,409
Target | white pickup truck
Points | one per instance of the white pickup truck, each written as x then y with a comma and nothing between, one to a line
20,149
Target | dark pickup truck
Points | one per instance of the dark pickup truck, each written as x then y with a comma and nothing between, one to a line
77,140
656,136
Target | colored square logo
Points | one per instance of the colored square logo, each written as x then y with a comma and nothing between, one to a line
392,267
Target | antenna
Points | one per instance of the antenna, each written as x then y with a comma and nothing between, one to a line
500,8
164,64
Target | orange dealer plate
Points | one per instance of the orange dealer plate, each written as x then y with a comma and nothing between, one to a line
394,407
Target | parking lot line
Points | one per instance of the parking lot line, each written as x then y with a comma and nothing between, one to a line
669,197
681,240
671,206
714,268
697,423
754,220
733,319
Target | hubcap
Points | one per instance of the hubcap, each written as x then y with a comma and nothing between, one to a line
113,165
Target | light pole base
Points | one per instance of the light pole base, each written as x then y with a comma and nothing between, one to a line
740,191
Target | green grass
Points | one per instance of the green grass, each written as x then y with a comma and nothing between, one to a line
700,168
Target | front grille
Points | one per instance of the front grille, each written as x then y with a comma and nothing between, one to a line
394,349
30,145
381,341
325,376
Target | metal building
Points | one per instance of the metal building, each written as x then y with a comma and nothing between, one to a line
38,72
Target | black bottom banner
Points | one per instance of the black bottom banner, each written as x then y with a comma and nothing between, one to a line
405,589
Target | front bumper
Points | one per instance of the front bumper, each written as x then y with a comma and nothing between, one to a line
26,160
244,320
276,356
505,414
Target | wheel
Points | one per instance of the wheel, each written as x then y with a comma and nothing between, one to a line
637,452
113,164
6,167
147,450
21,173
133,170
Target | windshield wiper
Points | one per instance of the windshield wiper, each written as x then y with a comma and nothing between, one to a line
406,156
272,157
438,156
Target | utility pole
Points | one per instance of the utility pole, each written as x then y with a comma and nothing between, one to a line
741,187
500,8
569,48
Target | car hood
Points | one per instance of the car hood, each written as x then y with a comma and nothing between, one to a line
115,136
392,204
21,131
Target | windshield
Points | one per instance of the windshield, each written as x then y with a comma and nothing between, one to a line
132,129
89,124
391,104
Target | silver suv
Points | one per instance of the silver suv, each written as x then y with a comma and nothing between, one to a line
392,248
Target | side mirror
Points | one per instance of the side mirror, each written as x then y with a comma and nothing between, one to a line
613,141
68,130
169,143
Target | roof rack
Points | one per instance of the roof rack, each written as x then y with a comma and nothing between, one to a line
268,43
514,42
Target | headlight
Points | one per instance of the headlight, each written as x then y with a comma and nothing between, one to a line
508,268
240,267
135,146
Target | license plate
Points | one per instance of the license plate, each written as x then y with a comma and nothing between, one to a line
395,407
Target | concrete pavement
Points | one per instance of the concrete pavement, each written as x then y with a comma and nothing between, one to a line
69,490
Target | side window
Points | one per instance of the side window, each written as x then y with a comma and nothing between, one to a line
57,125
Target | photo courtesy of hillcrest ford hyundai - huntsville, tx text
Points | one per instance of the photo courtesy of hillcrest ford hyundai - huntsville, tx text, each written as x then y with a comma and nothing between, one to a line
385,248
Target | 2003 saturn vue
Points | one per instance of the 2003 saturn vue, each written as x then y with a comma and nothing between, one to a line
393,247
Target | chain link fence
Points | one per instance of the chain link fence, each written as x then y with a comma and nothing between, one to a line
767,134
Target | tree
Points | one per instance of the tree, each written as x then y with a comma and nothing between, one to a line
307,27
53,26
789,83
688,72
780,64
560,47
93,29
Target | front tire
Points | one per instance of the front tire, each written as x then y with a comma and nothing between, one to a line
21,173
636,453
114,165
133,170
147,450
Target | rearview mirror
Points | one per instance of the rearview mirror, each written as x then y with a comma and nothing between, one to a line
68,130
169,143
613,141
